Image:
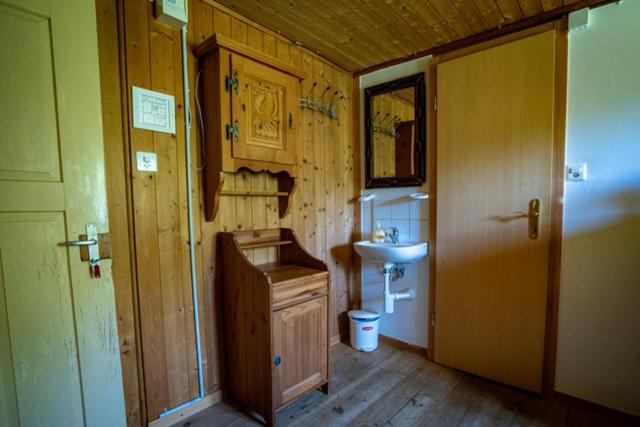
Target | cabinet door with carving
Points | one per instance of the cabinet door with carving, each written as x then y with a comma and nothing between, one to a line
265,112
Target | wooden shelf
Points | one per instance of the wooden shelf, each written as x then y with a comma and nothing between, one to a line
286,187
264,244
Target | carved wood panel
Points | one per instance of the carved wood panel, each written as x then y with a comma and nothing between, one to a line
266,113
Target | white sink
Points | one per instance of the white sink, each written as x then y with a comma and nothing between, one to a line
397,253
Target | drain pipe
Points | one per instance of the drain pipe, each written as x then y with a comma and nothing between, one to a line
391,297
192,252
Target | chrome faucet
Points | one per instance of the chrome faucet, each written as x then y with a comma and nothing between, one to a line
393,234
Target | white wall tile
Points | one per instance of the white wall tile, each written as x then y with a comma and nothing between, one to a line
382,209
419,209
403,228
400,208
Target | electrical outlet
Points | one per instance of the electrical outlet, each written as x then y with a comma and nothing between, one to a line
577,172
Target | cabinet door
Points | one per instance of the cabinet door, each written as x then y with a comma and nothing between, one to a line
300,349
266,113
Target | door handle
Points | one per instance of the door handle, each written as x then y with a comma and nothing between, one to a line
534,217
79,243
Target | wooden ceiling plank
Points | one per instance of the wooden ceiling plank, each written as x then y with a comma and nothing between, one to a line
548,5
530,7
389,17
351,29
300,18
510,10
467,10
437,22
413,19
395,39
451,16
427,31
378,28
281,23
490,12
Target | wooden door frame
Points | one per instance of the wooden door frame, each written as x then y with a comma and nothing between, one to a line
115,122
557,185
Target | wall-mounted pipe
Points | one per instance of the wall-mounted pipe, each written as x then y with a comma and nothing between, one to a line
192,253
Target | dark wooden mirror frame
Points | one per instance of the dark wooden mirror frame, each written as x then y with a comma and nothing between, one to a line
417,81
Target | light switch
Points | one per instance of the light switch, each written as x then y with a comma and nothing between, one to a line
577,172
146,162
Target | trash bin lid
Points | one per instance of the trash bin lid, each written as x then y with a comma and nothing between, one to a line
364,316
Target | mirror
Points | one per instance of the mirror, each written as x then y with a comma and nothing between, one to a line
395,136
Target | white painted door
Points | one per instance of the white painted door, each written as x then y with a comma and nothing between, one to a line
59,359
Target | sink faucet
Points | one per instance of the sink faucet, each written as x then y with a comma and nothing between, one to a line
393,234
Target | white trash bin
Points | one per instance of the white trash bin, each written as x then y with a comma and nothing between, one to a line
364,330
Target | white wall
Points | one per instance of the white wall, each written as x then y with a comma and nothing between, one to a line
394,207
599,318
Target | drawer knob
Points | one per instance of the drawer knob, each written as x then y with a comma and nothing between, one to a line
278,360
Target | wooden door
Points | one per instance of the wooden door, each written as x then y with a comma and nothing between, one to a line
300,349
59,355
495,123
266,112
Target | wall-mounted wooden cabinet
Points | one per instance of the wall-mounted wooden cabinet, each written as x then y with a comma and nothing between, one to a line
276,321
251,116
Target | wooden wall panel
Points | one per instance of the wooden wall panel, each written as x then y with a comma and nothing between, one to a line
156,297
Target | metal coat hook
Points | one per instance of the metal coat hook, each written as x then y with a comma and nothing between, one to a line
331,108
328,108
307,102
320,104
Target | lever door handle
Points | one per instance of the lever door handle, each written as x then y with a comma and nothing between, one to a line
78,243
534,217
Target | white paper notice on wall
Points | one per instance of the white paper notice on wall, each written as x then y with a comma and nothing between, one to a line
153,110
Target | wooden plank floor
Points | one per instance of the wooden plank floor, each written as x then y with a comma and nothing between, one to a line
393,387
